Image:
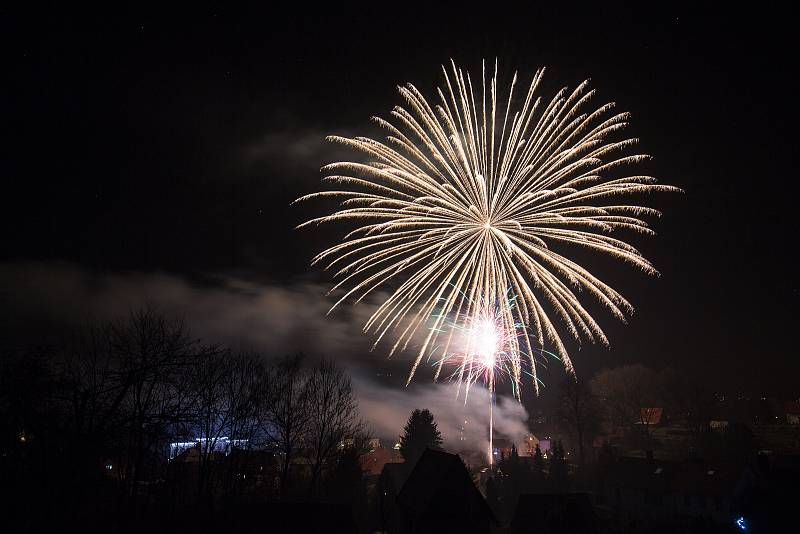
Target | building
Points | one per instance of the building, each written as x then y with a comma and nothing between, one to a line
792,412
373,462
222,445
501,448
437,495
650,416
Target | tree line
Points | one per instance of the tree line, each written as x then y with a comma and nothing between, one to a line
630,398
93,419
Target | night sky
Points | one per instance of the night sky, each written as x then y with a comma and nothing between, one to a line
154,155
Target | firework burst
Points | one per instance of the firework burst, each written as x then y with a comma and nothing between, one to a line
485,347
482,347
481,193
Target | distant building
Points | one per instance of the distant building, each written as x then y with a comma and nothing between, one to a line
501,448
792,412
718,426
650,416
222,445
545,445
373,462
528,445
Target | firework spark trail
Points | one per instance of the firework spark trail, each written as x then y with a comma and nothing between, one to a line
481,346
484,348
474,195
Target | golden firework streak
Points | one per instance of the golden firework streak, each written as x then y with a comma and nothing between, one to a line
475,196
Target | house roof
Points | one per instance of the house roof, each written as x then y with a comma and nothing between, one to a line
791,408
650,416
394,475
375,459
439,487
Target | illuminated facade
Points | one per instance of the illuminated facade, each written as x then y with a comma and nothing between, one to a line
222,445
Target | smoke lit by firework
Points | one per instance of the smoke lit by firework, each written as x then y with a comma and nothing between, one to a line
484,347
480,195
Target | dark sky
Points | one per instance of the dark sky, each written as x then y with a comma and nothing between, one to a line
148,151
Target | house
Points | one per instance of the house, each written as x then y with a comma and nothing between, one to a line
501,448
221,444
718,425
792,412
440,496
372,462
650,416
528,445
639,485
555,514
391,480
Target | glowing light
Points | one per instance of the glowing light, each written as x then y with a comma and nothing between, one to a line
475,195
486,340
222,444
740,522
484,348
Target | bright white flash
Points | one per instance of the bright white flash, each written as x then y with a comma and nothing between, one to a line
485,336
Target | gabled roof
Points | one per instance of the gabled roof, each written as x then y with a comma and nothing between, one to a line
439,487
374,460
394,475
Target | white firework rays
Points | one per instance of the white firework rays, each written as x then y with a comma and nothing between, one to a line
470,198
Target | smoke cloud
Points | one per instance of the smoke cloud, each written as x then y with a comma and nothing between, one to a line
40,298
464,425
